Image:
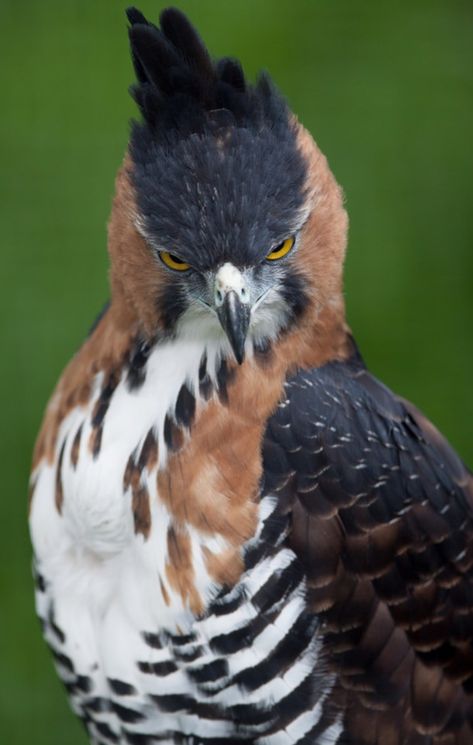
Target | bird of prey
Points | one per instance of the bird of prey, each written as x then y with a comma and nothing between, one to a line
240,535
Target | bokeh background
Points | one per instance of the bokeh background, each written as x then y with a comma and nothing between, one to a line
387,90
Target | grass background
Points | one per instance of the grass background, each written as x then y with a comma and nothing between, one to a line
387,90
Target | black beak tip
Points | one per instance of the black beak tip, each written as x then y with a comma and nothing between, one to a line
237,343
235,320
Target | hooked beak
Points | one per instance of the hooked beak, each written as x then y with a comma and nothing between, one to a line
233,307
234,317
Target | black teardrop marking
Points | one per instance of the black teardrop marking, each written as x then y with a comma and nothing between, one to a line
205,384
185,407
137,463
104,399
129,470
148,451
100,410
173,435
225,376
76,446
137,366
203,367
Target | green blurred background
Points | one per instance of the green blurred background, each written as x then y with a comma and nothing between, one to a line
387,90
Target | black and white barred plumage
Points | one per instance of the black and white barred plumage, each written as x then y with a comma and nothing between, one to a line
250,669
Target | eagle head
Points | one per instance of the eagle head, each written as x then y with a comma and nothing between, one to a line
227,221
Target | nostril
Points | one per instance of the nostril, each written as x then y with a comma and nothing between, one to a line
243,292
219,296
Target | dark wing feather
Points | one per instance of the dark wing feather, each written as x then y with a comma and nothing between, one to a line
382,519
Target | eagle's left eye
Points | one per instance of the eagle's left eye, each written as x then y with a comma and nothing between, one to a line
282,250
173,262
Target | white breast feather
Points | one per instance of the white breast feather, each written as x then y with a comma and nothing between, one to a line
104,578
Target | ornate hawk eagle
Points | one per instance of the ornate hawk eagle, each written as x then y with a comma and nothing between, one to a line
240,535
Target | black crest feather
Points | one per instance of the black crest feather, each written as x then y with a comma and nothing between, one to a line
180,89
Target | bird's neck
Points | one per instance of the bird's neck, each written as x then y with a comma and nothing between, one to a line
121,344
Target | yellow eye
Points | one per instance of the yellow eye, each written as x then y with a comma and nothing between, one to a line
282,250
173,262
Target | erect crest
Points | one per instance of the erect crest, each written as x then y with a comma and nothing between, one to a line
181,91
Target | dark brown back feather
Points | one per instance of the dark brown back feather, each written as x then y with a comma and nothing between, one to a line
382,516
